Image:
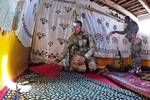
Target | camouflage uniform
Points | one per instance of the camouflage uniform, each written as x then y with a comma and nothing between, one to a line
81,44
136,44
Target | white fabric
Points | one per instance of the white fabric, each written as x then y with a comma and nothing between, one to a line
18,12
7,11
145,34
145,47
25,31
93,23
53,26
100,26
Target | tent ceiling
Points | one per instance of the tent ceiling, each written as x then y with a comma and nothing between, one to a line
134,8
137,7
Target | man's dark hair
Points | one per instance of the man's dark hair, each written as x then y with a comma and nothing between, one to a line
127,17
78,22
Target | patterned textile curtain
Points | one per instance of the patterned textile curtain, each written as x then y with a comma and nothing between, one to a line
145,47
27,22
145,34
7,12
18,12
100,25
53,26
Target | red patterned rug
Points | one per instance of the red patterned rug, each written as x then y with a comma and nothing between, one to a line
48,70
54,71
2,92
131,82
103,79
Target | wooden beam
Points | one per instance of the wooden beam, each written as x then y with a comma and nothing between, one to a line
128,3
137,9
140,11
132,7
119,8
121,1
145,5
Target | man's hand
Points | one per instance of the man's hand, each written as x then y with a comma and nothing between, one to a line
61,56
81,60
136,39
109,35
78,59
52,61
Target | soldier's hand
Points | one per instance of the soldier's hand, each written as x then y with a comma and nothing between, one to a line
109,35
79,59
52,61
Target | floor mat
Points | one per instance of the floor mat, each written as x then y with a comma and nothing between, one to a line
131,81
145,76
48,70
71,86
103,79
2,92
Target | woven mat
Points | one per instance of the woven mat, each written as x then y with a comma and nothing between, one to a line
131,81
70,86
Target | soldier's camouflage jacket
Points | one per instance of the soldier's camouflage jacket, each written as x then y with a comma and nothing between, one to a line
80,44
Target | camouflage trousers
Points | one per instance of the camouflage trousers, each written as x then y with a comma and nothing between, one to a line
136,56
88,63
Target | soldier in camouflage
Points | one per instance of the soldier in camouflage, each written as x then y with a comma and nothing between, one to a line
81,47
133,37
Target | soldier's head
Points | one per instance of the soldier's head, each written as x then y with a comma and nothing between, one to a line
77,26
127,19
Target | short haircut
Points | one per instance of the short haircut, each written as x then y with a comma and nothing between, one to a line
78,22
127,17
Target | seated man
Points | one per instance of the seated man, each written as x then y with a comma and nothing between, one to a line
81,47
